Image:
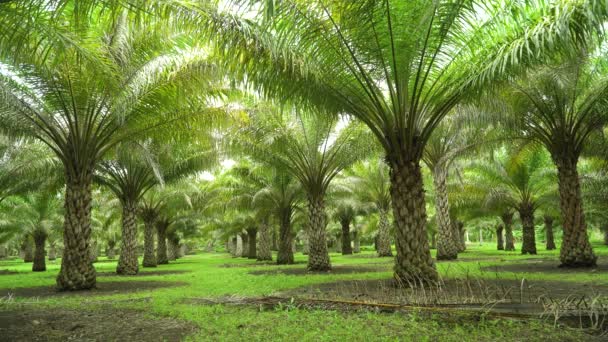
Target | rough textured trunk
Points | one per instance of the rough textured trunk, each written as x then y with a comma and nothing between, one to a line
275,237
383,241
264,252
173,248
27,247
576,249
305,244
447,248
459,227
294,246
149,255
161,244
285,253
356,242
77,271
111,250
526,214
127,262
238,252
52,252
39,264
606,236
413,264
336,242
245,239
507,220
346,247
500,243
433,240
318,257
94,251
253,241
550,240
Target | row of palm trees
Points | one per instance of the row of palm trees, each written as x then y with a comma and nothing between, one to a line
90,78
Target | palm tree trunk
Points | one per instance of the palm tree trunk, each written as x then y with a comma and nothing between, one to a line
77,271
526,214
413,264
161,245
285,253
433,240
356,242
318,257
39,264
507,220
171,250
550,243
28,249
337,242
460,232
606,235
94,248
383,241
245,239
264,252
127,262
52,252
346,247
174,247
149,256
576,250
500,244
446,241
252,232
111,250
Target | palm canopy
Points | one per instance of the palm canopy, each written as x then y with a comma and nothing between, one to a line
510,180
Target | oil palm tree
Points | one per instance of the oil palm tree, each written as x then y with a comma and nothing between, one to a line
370,182
308,147
110,79
521,182
138,167
399,67
561,106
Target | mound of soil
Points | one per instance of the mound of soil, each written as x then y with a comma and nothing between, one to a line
106,324
452,291
546,266
335,270
103,288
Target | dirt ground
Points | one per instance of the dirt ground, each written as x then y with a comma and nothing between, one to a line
103,288
453,291
105,324
338,269
547,266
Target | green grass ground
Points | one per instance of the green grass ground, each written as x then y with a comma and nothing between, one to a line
207,277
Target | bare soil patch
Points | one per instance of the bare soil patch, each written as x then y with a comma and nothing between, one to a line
337,269
546,266
452,291
105,324
103,288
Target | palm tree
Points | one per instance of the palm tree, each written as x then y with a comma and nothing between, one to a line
370,182
520,182
399,67
560,107
308,147
110,79
135,169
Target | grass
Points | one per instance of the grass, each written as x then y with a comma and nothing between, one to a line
207,277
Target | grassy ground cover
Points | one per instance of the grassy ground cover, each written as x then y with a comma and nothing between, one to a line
221,276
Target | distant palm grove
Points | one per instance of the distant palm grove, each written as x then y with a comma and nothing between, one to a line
141,131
